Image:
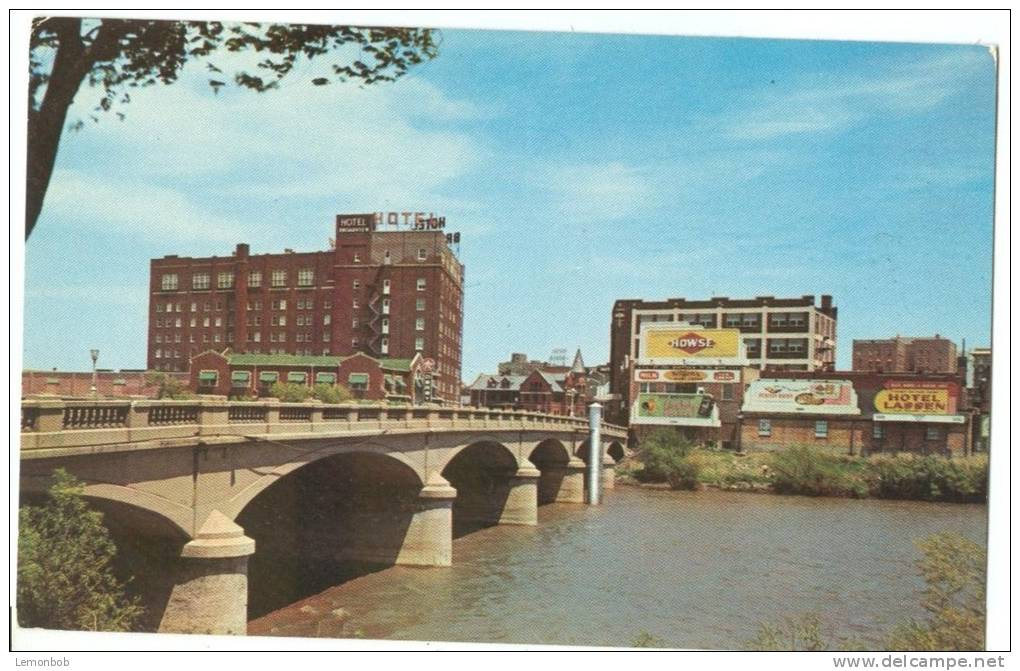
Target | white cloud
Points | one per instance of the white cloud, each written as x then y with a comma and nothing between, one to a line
831,102
597,191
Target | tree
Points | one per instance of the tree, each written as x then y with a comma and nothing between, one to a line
169,386
65,580
115,55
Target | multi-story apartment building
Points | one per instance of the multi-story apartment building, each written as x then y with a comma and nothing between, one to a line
389,294
906,355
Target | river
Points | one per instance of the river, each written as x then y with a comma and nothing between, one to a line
697,569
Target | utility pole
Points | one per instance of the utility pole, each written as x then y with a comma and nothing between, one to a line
594,454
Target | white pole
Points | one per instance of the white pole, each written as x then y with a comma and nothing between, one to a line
594,454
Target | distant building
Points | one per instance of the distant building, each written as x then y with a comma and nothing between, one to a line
370,379
109,383
386,293
906,355
535,386
979,391
764,333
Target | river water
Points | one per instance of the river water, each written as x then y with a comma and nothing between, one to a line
697,569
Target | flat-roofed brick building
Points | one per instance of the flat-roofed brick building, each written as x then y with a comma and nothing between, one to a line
906,355
386,293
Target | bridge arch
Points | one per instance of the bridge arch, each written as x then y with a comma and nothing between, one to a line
323,521
560,478
616,450
483,473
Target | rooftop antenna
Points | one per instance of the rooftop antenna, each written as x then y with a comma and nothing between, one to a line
558,357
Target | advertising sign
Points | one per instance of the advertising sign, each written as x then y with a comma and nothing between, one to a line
355,223
910,397
677,409
686,375
675,345
825,397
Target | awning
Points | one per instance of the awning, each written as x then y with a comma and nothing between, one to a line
325,378
269,376
297,376
916,419
241,376
358,378
120,381
207,376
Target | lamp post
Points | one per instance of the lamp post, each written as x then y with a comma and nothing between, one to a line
95,357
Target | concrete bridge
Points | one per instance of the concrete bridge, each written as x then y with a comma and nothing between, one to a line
212,484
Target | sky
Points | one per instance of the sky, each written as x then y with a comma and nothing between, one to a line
579,168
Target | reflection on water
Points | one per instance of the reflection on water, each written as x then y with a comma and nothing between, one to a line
700,570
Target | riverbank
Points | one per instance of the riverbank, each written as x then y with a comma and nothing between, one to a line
810,472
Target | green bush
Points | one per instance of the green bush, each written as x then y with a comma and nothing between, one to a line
290,392
169,387
662,452
684,473
65,579
929,478
811,472
331,393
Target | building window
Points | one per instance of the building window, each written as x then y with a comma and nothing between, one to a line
225,280
255,279
305,277
194,322
357,257
258,336
933,433
423,254
194,307
386,306
421,284
385,325
727,392
325,337
354,342
822,429
219,322
419,305
177,322
278,278
200,281
169,282
326,319
354,304
419,344
877,431
419,324
386,286
354,323
384,347
765,427
356,284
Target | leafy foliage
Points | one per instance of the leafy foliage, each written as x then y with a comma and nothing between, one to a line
65,580
804,633
811,472
930,478
290,392
954,572
331,393
169,386
647,640
666,457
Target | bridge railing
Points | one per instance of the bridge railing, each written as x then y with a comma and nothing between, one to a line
56,423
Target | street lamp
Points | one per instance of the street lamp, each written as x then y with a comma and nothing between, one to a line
95,357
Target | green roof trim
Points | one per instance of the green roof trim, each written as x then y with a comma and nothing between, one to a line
52,380
241,376
402,365
207,376
325,378
120,382
283,360
297,376
358,378
269,376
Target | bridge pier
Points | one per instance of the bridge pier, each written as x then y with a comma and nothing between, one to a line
429,537
210,595
608,472
562,483
521,505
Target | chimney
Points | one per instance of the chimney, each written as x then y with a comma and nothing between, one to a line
826,302
242,250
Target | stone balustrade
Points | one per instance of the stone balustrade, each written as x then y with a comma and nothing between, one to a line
58,423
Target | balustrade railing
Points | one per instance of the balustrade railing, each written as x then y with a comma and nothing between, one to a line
50,415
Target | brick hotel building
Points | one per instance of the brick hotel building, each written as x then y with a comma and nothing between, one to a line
386,293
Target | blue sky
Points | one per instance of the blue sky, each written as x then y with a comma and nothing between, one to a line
579,168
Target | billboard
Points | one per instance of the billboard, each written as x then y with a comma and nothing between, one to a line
355,223
912,397
675,409
679,344
686,375
821,397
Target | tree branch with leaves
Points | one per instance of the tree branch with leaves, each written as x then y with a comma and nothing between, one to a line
114,56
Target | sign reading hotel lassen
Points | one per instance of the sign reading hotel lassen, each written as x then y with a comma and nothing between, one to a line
663,345
917,398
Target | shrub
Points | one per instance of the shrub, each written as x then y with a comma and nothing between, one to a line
169,387
929,478
65,579
683,473
331,393
954,572
810,472
290,392
662,452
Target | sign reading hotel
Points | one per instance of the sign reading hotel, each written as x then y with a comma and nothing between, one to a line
686,375
415,221
675,409
917,398
691,345
820,397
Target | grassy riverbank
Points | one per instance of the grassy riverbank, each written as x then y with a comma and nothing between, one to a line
808,471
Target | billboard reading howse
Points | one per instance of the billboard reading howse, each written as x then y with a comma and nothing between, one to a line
677,344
